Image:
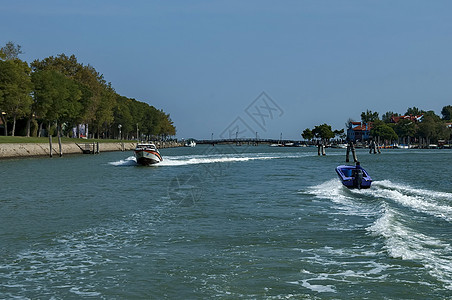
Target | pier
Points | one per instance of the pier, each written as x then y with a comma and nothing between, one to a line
91,148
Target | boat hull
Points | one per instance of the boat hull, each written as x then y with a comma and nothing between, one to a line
348,178
147,157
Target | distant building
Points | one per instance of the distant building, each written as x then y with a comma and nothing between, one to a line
358,131
416,119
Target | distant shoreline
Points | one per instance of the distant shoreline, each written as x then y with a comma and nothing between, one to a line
18,150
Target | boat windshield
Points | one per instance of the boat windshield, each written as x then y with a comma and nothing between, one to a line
347,172
146,146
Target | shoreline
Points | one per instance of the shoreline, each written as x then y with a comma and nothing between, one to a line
18,150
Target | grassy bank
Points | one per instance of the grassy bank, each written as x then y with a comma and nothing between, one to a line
35,140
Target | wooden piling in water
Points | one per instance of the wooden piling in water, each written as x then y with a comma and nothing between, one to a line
355,158
320,149
351,147
378,145
50,144
347,153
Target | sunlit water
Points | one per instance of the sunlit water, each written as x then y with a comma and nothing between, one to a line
226,222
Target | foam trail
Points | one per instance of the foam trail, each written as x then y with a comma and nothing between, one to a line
408,244
424,201
338,194
129,161
212,158
409,189
168,161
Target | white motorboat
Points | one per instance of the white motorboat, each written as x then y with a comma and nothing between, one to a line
147,154
191,143
341,146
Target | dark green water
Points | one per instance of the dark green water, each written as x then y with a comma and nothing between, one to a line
226,222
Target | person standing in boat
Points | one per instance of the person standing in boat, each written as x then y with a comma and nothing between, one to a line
358,175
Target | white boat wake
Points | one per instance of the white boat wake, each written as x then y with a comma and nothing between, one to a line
399,220
208,159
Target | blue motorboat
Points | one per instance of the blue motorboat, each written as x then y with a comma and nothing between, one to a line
354,177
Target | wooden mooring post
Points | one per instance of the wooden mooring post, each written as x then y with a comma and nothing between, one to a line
321,149
373,147
351,147
50,144
59,142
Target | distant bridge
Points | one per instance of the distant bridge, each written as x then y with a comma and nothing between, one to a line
249,141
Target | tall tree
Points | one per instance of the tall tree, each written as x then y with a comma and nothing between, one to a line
369,116
446,112
405,128
386,117
432,128
307,134
57,98
413,111
323,132
104,111
339,134
15,86
122,115
383,130
10,51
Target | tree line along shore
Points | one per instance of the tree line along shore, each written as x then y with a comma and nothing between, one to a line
416,126
61,96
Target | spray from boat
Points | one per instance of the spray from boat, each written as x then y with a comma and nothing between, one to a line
396,210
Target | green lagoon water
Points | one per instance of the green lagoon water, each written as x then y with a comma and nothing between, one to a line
226,222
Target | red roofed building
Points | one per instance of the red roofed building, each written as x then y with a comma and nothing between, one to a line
358,131
396,119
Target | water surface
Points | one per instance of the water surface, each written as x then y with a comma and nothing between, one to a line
227,222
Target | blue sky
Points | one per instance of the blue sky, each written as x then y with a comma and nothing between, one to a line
206,62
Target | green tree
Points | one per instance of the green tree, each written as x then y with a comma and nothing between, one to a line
104,112
57,98
369,116
307,134
339,134
386,117
102,108
122,116
66,65
413,111
97,96
405,128
432,128
166,126
384,131
446,112
10,51
323,132
15,89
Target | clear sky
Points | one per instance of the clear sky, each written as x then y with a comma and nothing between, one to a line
207,62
